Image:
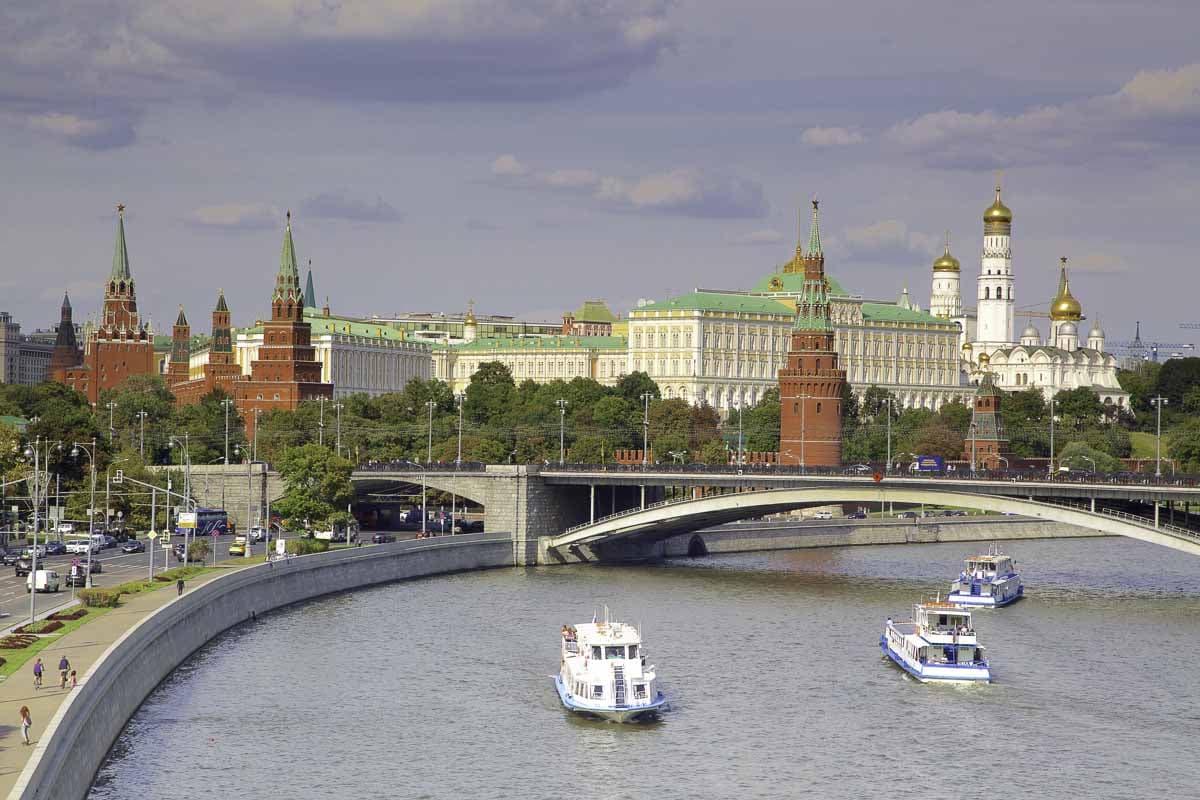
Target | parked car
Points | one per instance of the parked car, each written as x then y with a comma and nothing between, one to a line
55,549
906,515
861,469
383,538
41,550
238,546
44,580
468,526
9,557
823,515
22,566
134,546
81,546
109,541
857,515
65,528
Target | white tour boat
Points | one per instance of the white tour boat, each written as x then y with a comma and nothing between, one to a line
989,581
937,644
604,672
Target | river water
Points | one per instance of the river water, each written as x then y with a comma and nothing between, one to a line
441,688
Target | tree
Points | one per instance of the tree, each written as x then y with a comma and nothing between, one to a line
1183,445
1141,383
317,480
1026,418
616,420
761,423
851,410
590,449
874,403
1176,378
936,438
1076,455
704,425
634,385
1078,408
956,417
669,423
713,453
490,394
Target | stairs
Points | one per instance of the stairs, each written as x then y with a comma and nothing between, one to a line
619,686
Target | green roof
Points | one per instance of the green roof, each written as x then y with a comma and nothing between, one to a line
793,283
321,324
120,263
890,312
20,424
544,343
715,301
594,311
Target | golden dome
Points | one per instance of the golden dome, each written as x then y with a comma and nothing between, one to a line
966,347
1064,306
997,212
946,263
984,359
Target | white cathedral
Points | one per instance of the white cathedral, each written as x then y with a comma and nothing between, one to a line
986,332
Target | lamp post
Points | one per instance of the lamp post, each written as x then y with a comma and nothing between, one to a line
887,468
76,449
227,402
257,414
562,426
321,423
187,487
1159,402
338,407
741,457
429,404
1051,437
645,428
141,415
238,451
111,406
34,452
973,429
458,398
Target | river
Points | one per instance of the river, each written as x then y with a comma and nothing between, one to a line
441,688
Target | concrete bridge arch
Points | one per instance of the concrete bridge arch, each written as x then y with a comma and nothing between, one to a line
638,530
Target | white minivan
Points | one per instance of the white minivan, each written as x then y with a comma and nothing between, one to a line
47,580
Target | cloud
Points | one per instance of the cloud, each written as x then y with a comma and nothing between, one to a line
763,236
1098,264
87,78
884,239
339,205
245,216
831,137
1154,109
686,192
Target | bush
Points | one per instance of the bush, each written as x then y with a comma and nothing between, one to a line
172,575
99,598
16,642
41,626
303,547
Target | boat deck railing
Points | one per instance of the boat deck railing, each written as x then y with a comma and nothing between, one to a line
572,646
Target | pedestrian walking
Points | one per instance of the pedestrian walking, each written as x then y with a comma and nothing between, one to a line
179,586
64,667
74,681
37,674
26,723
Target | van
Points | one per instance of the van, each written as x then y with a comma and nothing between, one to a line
823,515
44,580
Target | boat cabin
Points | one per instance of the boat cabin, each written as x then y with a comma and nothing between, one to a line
988,566
942,619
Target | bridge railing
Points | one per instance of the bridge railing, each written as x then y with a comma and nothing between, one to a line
416,466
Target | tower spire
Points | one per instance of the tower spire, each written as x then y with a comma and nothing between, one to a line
814,234
120,262
287,281
310,296
221,306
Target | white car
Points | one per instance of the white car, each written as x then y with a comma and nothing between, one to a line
257,534
41,551
66,528
81,546
47,581
823,515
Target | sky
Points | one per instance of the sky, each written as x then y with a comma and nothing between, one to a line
531,154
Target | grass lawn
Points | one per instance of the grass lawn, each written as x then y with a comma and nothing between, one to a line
1143,444
15,659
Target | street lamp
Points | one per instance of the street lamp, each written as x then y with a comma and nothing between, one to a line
227,402
430,404
111,406
238,451
257,414
1159,402
76,449
1051,437
646,428
562,423
321,423
187,486
338,407
887,468
458,398
973,429
141,415
741,459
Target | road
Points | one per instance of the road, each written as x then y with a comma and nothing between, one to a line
118,568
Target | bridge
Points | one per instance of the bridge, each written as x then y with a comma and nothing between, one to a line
594,512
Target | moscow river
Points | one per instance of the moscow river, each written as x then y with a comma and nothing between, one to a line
441,688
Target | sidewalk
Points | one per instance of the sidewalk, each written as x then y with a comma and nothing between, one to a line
82,647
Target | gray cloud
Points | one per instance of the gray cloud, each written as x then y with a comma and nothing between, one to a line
885,240
340,205
242,216
686,192
831,137
1154,109
762,236
88,77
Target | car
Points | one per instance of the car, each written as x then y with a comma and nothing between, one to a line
65,528
55,549
862,469
109,542
44,580
9,557
81,547
40,549
77,574
468,526
383,538
134,546
857,515
22,566
257,534
906,515
823,515
238,546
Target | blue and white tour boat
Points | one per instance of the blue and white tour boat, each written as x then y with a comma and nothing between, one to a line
988,581
604,672
937,644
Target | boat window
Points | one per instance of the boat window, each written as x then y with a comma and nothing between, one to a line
639,691
633,651
597,691
611,652
595,651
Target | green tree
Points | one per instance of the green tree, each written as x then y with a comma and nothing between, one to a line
634,385
937,438
713,453
1026,418
1176,378
1183,445
590,449
851,410
761,423
490,394
669,424
317,481
1076,454
704,425
1078,408
874,403
956,417
1142,384
617,421
1191,401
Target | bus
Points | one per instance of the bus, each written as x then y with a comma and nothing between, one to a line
208,520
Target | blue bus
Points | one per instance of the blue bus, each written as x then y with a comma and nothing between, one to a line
208,520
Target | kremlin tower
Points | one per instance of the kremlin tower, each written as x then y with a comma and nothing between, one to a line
995,307
945,300
810,386
1065,313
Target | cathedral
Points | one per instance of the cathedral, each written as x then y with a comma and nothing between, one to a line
1063,361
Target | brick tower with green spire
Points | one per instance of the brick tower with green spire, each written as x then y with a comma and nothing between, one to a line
181,350
810,386
286,371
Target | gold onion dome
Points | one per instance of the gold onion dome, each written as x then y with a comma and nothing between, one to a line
1064,306
997,212
984,359
946,263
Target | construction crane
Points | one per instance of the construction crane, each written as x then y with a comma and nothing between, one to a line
1148,351
1190,325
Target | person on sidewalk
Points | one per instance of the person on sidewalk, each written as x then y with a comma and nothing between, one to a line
37,674
64,667
74,680
26,723
179,586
